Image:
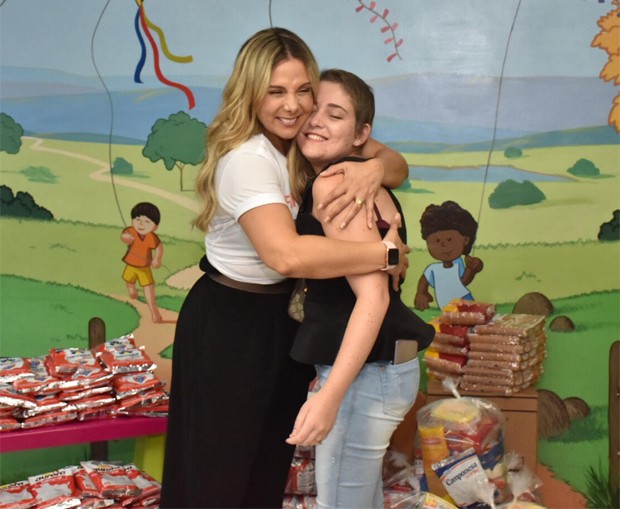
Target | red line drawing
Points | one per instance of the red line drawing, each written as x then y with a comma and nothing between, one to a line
387,26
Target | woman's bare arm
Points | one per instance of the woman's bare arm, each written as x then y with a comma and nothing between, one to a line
272,232
385,166
317,416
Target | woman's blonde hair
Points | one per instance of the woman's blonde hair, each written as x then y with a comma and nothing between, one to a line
237,118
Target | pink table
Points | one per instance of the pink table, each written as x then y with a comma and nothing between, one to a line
82,432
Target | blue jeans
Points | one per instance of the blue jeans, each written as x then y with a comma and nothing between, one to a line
350,459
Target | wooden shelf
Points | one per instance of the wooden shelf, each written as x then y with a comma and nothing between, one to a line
82,432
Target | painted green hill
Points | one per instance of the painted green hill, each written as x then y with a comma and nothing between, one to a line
598,135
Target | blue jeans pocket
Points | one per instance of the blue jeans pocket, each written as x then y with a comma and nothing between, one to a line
400,384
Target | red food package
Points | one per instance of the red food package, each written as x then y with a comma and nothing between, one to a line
57,417
6,411
304,451
122,342
45,403
67,361
85,483
84,393
126,360
10,397
485,434
85,378
55,489
13,368
149,487
459,331
91,402
110,479
141,400
467,312
102,412
16,495
41,382
134,383
157,409
299,502
301,479
9,424
97,503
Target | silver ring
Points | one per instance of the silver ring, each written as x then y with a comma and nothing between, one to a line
359,202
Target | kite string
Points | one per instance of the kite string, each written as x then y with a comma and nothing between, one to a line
497,103
111,104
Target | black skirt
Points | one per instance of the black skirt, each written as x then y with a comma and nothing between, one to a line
235,393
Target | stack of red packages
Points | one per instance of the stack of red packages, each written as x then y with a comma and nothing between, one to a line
93,485
505,354
300,491
68,384
138,391
448,353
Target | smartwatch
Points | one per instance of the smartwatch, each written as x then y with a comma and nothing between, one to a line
392,255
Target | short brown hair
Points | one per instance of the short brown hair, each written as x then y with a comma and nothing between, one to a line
361,94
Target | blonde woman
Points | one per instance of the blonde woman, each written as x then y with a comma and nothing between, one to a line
235,390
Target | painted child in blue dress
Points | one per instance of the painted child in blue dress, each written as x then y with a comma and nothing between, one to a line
449,232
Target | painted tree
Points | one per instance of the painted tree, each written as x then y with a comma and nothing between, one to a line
177,141
608,39
10,134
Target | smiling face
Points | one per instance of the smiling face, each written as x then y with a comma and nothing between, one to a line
446,245
330,132
143,225
287,104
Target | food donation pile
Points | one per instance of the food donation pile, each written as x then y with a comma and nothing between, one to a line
459,461
91,485
484,351
113,379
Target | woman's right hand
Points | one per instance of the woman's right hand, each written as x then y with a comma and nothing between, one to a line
399,272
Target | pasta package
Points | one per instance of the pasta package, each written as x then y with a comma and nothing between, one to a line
513,324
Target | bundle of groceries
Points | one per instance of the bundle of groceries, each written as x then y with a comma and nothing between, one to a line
113,379
486,351
91,485
461,444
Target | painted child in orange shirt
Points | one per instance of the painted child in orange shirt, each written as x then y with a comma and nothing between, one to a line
144,252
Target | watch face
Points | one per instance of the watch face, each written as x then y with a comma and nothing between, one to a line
393,256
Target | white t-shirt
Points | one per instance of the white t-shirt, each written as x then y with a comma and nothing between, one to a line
249,176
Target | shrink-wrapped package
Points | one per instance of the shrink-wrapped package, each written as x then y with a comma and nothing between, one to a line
450,427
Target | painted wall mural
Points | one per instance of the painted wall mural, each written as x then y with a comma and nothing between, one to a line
509,109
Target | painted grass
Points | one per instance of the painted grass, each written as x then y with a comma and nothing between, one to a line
572,211
84,255
37,316
89,256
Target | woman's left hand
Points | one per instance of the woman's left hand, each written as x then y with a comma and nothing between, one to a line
357,191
